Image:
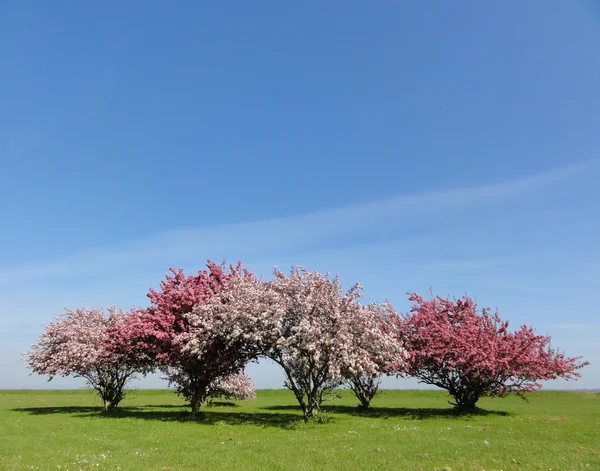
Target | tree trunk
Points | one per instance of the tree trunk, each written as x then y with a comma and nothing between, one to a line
364,395
311,408
465,401
365,387
110,399
198,399
365,402
195,403
310,412
467,407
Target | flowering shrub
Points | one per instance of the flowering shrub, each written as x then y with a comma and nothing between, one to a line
237,386
202,330
473,354
385,356
315,332
181,334
74,345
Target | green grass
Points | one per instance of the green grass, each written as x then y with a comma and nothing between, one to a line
412,430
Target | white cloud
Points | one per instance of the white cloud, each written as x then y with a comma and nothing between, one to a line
390,219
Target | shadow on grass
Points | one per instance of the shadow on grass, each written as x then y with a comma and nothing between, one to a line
222,404
407,412
205,416
276,417
185,406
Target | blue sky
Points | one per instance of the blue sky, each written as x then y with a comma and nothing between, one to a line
445,145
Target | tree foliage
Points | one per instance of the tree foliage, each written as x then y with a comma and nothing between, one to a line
238,386
74,345
473,354
184,336
202,330
319,335
385,359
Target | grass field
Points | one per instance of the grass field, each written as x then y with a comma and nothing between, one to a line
412,430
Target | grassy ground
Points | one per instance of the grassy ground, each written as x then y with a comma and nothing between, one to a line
412,430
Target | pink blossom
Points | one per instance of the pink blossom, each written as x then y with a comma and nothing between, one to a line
315,332
184,334
237,386
473,354
75,345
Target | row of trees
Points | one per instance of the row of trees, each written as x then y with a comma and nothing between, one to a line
201,331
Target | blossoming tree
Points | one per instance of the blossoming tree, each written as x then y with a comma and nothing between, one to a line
385,356
317,333
237,386
74,345
183,335
473,354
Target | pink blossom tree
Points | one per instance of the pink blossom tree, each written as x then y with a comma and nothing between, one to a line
318,334
182,334
74,345
237,386
473,354
386,356
228,331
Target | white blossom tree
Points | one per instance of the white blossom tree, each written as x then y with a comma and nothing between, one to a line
237,386
379,337
74,344
315,332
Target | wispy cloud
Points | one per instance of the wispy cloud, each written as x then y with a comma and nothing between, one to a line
391,219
